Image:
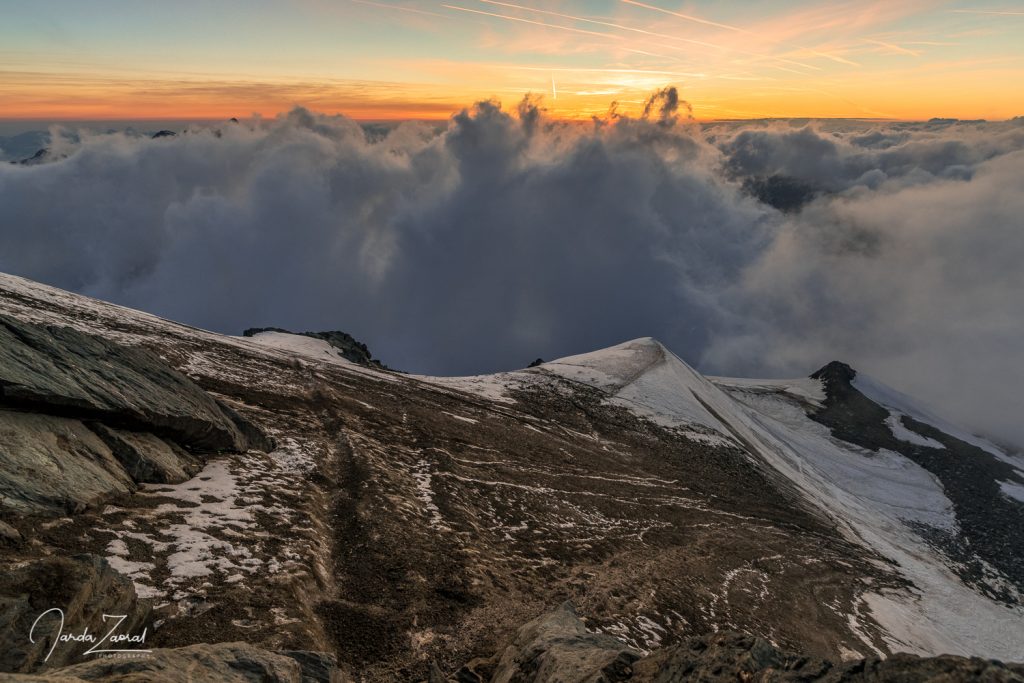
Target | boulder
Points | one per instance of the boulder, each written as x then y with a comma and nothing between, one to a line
84,587
556,647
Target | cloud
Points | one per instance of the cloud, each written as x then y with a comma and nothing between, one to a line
506,235
918,284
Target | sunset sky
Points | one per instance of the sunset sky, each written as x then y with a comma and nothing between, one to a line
387,59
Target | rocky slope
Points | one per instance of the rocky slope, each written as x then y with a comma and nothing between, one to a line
410,526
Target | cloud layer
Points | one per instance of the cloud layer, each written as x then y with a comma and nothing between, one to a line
747,248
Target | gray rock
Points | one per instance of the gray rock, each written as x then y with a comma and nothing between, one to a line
58,370
556,647
85,587
220,663
55,465
148,458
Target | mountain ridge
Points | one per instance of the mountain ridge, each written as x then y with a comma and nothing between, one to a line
403,519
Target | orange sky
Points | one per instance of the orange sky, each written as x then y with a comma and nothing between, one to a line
388,60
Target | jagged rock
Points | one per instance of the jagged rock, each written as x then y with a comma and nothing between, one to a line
220,663
58,370
164,134
85,587
730,657
556,647
55,465
148,458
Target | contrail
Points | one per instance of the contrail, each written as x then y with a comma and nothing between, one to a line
530,21
890,46
982,11
687,17
737,29
401,8
633,29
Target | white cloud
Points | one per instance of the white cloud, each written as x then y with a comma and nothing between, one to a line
503,237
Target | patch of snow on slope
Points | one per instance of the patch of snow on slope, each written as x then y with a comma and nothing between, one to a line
910,436
300,345
1013,490
491,387
899,402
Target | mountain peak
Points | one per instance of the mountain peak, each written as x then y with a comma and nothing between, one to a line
835,370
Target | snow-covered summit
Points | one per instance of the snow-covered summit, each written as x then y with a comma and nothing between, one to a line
644,375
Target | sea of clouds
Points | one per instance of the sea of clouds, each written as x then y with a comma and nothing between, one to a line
763,248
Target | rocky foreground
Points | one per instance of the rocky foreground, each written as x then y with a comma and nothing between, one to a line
264,508
554,648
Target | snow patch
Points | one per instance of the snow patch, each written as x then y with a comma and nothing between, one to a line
901,433
901,403
1012,490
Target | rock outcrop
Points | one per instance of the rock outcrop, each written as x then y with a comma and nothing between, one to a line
84,587
83,418
55,465
148,458
61,371
557,647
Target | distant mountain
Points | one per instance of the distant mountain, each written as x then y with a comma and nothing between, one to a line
614,515
23,145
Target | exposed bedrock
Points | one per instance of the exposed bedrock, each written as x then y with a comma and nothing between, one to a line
83,418
58,370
